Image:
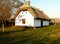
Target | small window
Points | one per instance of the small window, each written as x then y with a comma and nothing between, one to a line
26,12
18,16
23,21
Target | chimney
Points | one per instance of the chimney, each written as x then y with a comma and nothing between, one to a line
28,2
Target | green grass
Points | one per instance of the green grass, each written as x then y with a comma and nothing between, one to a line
44,35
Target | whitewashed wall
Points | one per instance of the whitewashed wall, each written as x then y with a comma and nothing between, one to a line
37,23
29,20
27,16
45,23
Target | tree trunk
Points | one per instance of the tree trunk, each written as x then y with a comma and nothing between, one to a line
2,26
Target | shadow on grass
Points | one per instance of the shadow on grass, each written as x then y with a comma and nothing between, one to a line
24,29
28,40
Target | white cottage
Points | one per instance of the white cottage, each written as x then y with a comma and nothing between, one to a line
30,17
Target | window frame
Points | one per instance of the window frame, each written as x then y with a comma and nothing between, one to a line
23,21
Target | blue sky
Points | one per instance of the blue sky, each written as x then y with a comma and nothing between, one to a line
50,7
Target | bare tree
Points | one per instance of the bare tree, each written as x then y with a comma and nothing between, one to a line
5,9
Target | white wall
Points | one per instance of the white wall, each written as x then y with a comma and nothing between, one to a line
37,23
27,16
45,23
29,20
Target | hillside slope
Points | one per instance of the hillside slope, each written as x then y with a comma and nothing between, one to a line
44,35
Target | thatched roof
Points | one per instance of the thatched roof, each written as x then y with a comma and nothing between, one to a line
34,12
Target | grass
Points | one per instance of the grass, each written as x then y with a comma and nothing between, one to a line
44,35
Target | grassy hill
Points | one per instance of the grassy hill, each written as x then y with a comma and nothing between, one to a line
44,35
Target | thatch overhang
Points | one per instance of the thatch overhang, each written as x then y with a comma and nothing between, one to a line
36,13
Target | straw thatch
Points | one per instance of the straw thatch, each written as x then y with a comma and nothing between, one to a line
34,12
